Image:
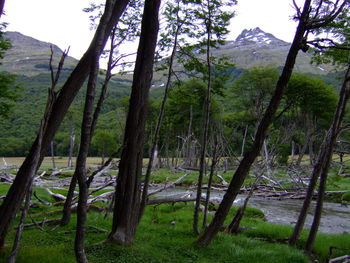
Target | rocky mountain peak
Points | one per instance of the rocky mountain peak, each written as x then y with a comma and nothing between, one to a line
257,36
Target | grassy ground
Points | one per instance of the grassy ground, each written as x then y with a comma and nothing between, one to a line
165,235
160,240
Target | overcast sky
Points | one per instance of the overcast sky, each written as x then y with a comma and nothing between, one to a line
64,23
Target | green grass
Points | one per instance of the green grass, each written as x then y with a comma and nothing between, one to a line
158,241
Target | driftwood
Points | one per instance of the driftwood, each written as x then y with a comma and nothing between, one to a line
167,186
7,178
159,201
58,197
343,259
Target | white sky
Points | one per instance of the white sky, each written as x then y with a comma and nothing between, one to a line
62,22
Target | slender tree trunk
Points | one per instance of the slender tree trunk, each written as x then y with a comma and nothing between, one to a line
21,184
250,156
16,243
127,193
157,131
190,156
210,180
80,170
66,214
204,136
71,146
2,3
330,140
53,155
234,225
244,140
322,163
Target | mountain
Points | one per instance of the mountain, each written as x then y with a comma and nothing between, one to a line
254,47
30,57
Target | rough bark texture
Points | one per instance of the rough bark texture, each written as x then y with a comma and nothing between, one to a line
250,156
127,194
15,195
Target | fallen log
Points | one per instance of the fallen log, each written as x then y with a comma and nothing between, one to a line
172,200
167,186
57,197
342,259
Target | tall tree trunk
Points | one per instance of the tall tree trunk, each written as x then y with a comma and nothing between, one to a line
127,193
71,146
244,140
327,157
53,155
265,122
80,170
66,214
321,167
2,3
15,195
157,131
205,133
214,162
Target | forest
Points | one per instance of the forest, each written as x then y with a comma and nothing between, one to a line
171,153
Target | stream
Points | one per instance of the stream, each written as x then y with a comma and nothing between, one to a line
335,218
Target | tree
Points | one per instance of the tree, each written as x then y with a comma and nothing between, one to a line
169,40
310,103
15,195
8,89
104,143
309,18
2,3
327,52
127,191
87,130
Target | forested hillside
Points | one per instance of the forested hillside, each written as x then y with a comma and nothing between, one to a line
28,59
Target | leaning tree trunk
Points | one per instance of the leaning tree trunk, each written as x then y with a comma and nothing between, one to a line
15,195
66,214
330,140
127,193
265,122
321,164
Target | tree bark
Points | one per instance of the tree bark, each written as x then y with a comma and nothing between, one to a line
71,146
2,3
327,157
157,131
127,192
66,215
80,170
265,122
15,195
206,113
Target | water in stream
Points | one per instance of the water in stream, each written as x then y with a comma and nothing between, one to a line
335,218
